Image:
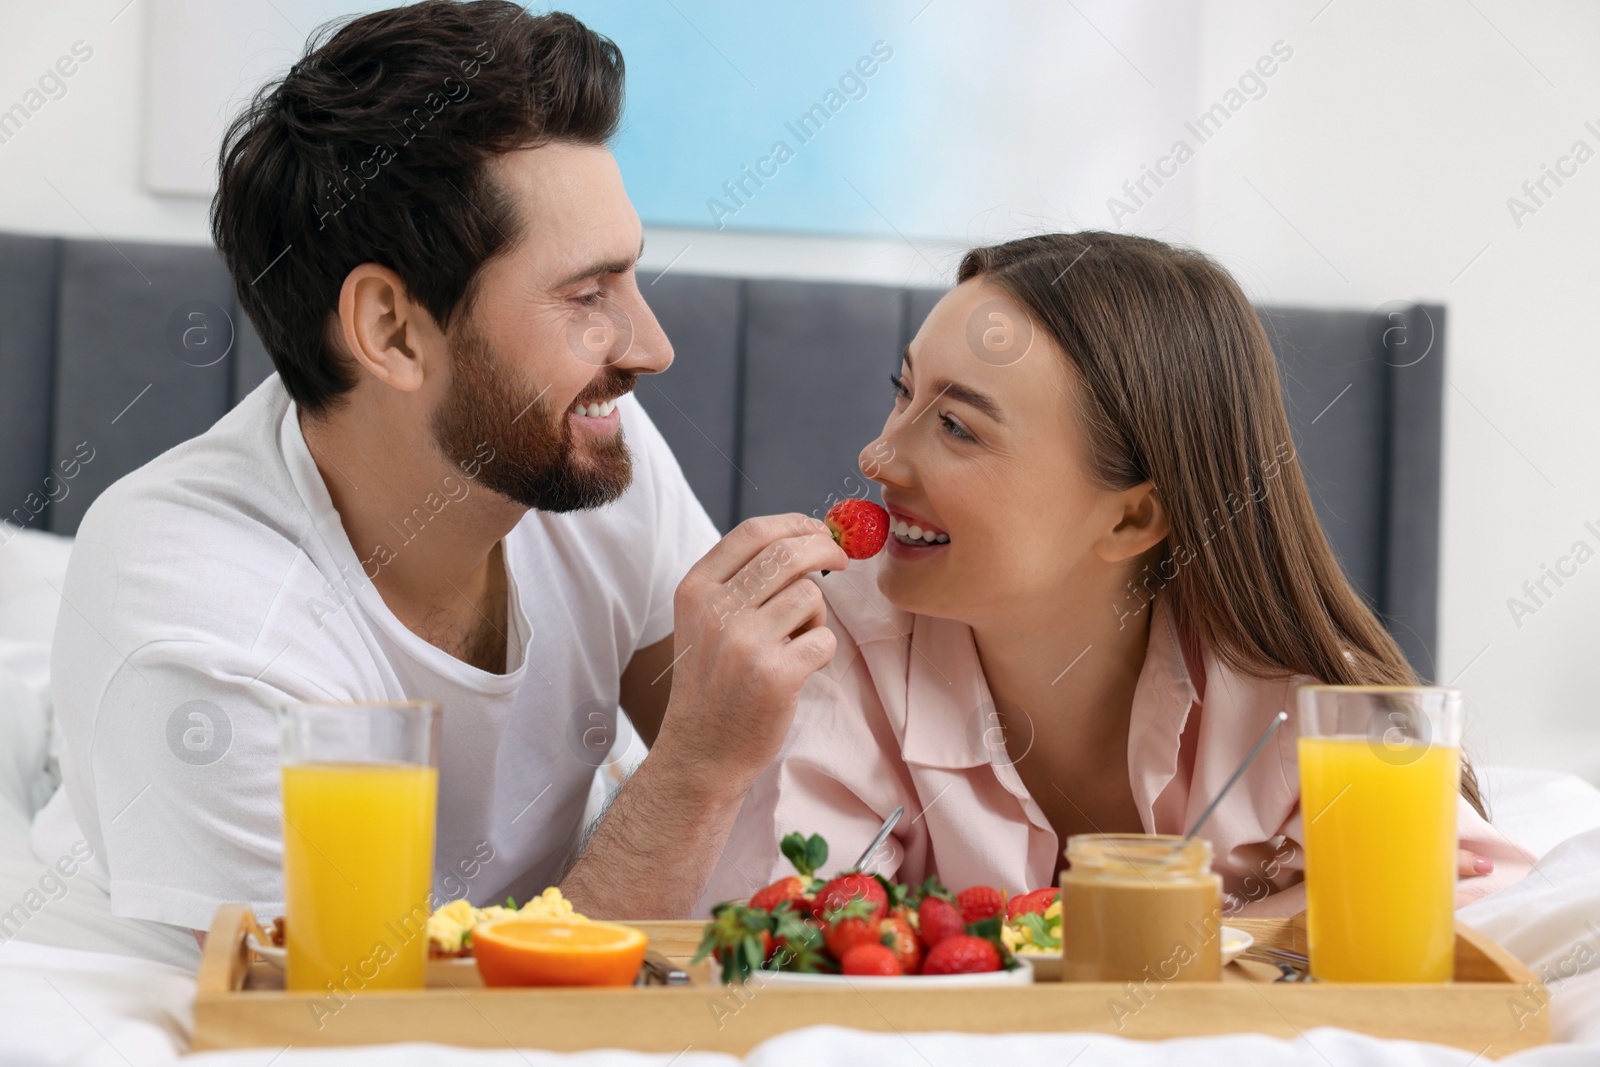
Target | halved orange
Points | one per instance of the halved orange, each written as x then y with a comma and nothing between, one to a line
544,952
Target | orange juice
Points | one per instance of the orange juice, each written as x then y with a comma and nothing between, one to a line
1380,839
357,867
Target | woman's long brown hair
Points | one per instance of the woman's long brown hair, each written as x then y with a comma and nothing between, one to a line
1180,389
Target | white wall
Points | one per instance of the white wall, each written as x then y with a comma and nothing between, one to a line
1376,166
1392,144
74,167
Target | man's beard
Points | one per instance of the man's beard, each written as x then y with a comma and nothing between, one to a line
536,460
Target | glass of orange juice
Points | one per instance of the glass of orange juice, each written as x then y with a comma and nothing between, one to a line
360,787
1380,769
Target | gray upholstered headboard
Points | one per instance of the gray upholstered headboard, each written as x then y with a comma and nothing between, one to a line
776,387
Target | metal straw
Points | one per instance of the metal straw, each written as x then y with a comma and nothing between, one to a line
1272,728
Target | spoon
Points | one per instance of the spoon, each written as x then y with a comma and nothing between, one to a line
1272,728
880,837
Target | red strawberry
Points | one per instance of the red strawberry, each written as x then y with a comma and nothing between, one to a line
962,954
1030,903
740,938
860,526
847,887
979,902
901,939
791,890
854,924
872,959
938,919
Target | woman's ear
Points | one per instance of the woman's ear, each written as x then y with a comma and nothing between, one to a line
1141,524
384,330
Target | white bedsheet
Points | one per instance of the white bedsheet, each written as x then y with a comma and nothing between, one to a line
61,1005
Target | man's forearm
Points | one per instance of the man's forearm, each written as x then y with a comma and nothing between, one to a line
655,849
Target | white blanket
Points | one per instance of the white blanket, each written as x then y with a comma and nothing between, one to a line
60,1005
1551,921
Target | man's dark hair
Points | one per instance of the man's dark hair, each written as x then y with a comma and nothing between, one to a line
374,149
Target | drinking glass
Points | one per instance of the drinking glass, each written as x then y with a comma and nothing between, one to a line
1380,771
360,789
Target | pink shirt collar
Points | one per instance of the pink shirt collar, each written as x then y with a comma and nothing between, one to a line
948,697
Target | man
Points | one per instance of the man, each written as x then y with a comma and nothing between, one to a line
445,493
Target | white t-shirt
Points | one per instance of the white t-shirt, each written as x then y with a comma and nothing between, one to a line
216,583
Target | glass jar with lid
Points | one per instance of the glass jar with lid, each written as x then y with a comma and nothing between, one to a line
1140,907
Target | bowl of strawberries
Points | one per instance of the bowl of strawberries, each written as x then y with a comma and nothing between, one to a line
804,930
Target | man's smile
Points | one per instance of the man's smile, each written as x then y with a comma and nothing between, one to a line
597,417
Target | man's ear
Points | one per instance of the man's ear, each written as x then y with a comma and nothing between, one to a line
390,335
1141,524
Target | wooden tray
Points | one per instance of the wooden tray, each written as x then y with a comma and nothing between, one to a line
240,1003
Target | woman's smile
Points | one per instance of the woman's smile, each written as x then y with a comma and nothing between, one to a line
913,537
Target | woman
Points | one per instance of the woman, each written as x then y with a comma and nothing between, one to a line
1106,578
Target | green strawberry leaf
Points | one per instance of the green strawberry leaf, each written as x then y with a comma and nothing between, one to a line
793,928
708,944
735,936
793,847
808,854
854,908
816,853
897,894
800,945
988,929
930,887
754,956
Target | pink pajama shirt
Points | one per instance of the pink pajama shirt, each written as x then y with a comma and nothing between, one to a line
903,717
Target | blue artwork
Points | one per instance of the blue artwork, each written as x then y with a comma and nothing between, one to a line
776,118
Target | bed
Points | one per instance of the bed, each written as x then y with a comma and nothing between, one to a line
82,987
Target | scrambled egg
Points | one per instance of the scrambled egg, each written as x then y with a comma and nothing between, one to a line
1019,938
449,926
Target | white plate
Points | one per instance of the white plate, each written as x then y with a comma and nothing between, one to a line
278,957
273,954
1023,975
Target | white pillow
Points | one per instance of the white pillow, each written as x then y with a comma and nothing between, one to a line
25,781
33,566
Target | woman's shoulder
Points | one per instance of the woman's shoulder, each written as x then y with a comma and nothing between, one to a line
864,686
860,608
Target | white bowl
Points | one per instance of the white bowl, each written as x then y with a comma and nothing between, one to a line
1023,975
1234,941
